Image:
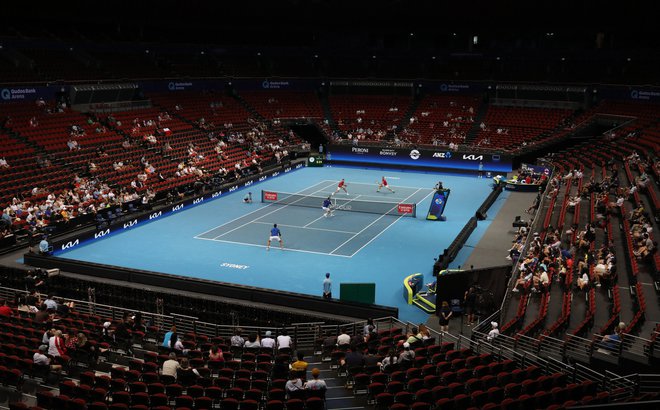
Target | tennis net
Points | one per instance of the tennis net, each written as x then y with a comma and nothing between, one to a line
341,204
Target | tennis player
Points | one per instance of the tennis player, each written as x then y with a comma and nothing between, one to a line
341,185
383,183
327,207
275,235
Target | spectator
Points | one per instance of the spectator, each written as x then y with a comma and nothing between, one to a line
300,366
123,336
315,384
407,357
179,347
41,359
71,343
171,366
390,361
583,281
294,386
252,342
47,335
354,358
83,345
168,337
284,341
523,281
215,353
343,339
268,341
56,345
414,337
107,334
42,316
612,342
237,340
50,303
368,327
544,280
185,374
494,332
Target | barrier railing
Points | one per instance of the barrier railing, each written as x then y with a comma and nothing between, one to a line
648,383
620,387
578,349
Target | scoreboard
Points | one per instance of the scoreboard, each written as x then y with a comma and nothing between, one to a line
315,161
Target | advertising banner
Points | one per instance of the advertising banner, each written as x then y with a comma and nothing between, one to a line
13,94
438,203
275,84
420,158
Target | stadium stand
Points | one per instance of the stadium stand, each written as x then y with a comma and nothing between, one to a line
578,321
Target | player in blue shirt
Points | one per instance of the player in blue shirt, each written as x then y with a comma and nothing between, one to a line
275,235
327,207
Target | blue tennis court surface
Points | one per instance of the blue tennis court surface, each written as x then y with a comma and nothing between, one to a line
225,239
344,233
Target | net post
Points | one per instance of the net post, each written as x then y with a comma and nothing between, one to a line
262,196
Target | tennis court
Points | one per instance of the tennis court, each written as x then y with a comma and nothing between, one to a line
224,239
361,216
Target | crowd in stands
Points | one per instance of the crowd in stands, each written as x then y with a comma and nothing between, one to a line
90,186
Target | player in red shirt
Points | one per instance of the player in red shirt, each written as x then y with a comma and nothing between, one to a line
383,183
341,185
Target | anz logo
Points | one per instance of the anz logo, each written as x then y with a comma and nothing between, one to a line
274,174
129,224
248,183
101,234
177,208
155,215
263,178
216,194
287,170
299,166
70,245
234,188
198,200
473,157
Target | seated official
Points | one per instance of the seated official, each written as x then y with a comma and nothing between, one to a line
44,247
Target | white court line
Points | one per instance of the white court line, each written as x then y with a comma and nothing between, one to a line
378,219
305,227
250,213
275,248
388,227
262,216
397,186
320,217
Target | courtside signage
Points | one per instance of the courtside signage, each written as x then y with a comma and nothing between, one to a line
405,208
270,196
420,158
